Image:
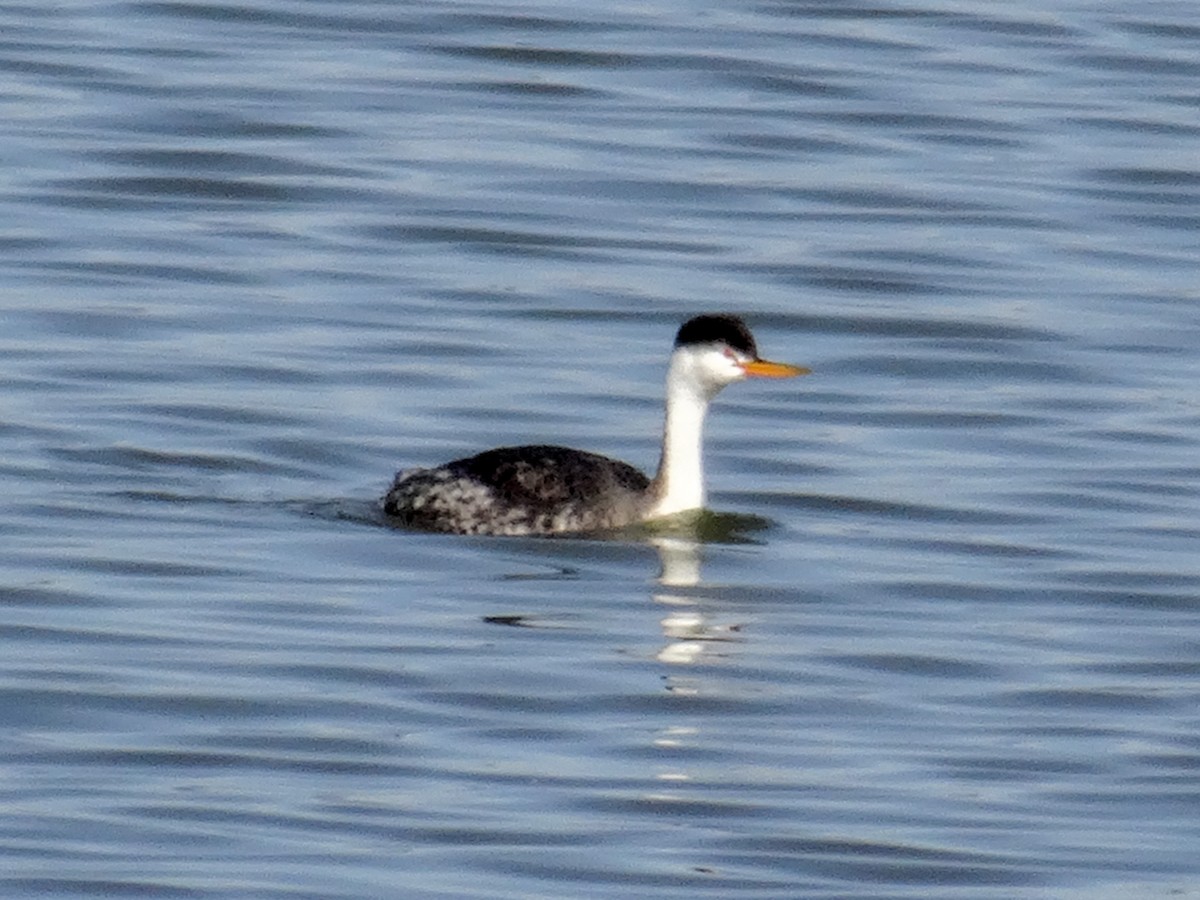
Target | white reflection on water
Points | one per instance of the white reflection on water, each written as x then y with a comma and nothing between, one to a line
690,632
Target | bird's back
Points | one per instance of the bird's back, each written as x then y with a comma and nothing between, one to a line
538,489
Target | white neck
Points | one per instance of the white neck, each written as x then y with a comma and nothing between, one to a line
679,484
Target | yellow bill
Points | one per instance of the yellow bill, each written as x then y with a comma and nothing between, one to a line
761,368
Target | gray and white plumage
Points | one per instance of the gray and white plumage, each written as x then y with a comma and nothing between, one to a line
521,490
545,489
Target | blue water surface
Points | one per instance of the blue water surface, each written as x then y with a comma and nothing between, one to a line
940,637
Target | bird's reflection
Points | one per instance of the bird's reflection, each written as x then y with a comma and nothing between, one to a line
690,632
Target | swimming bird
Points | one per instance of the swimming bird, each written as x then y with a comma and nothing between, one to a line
543,489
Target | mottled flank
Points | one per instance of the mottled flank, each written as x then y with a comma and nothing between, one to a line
520,490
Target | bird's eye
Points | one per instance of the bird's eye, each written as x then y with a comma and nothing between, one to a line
729,354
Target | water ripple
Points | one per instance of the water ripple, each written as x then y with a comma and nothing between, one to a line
259,254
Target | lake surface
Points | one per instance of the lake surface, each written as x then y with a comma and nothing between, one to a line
940,637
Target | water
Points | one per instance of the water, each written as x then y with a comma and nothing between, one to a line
940,640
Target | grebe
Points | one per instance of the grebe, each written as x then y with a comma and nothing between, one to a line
545,489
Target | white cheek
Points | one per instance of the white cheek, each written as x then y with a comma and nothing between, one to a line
731,370
721,370
712,369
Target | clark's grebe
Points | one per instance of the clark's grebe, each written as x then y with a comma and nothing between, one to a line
545,489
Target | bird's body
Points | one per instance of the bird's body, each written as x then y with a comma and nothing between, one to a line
521,490
543,489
